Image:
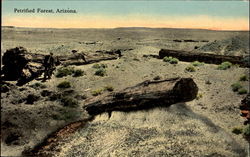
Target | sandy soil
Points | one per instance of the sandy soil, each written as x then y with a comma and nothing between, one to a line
202,127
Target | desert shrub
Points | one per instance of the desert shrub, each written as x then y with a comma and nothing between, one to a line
237,130
64,71
38,85
69,102
64,84
100,72
67,114
197,63
97,92
174,61
246,130
243,78
190,68
171,60
78,73
109,88
167,59
224,66
98,66
236,86
242,91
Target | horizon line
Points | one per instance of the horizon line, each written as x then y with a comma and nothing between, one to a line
142,27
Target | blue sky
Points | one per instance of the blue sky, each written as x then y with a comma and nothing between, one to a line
186,8
161,8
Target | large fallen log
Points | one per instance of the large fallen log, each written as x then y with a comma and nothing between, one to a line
23,66
89,60
76,59
39,58
202,57
146,95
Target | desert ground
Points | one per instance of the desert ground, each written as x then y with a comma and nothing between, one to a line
201,127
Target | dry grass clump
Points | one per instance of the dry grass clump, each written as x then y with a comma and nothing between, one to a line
224,66
78,73
100,69
243,78
197,63
69,102
64,71
64,84
242,91
101,90
98,66
190,68
171,60
246,130
97,92
237,87
101,72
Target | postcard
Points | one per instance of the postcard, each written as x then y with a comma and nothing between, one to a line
125,78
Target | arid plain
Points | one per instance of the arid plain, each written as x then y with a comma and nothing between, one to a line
201,127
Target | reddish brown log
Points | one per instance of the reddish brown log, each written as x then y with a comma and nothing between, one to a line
146,95
202,57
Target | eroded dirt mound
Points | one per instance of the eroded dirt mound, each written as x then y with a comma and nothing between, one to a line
237,45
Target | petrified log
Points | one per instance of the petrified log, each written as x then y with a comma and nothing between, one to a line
89,60
23,66
202,57
245,109
75,59
146,95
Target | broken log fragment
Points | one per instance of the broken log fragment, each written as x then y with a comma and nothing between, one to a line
202,57
88,61
18,65
146,95
23,66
